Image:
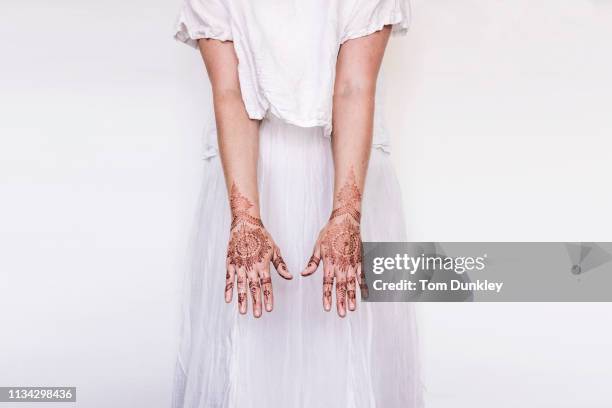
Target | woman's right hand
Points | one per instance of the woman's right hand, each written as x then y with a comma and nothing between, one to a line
249,253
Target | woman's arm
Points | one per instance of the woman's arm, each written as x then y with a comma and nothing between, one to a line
251,248
339,242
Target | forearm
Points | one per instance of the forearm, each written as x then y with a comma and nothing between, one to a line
238,135
353,111
351,146
239,149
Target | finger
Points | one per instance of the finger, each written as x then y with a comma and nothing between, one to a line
313,262
230,275
328,284
280,265
266,287
341,292
351,287
242,291
255,289
363,284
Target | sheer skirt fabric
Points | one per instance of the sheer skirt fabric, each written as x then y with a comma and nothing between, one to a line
298,355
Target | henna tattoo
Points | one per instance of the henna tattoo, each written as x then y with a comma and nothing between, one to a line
239,206
348,198
342,245
248,247
246,218
266,280
341,292
350,290
328,283
254,286
278,261
267,292
249,244
241,299
314,261
229,286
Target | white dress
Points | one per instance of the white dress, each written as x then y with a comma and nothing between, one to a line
298,355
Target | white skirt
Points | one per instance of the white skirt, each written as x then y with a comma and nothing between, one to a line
298,355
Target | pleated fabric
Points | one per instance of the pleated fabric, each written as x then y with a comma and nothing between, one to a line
298,355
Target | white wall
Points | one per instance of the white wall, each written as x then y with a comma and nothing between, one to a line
500,114
504,127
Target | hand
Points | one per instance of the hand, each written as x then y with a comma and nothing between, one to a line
339,245
249,253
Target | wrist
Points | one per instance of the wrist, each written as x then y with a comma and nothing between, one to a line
346,211
243,210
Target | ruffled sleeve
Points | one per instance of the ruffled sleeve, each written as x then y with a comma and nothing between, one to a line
368,17
203,19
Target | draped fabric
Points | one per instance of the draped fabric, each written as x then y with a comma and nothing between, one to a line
298,355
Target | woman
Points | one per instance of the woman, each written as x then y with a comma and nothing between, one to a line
293,87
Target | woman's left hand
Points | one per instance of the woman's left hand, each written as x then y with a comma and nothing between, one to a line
339,246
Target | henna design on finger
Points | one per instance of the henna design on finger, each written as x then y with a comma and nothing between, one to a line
229,284
314,261
278,261
266,283
241,299
254,286
351,290
241,290
341,292
328,284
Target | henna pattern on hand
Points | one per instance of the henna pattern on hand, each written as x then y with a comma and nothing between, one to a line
342,245
249,244
247,247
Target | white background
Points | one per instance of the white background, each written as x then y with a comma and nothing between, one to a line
500,115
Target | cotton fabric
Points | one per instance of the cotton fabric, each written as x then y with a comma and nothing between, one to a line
287,50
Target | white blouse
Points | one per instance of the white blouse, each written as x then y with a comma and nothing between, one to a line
287,50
